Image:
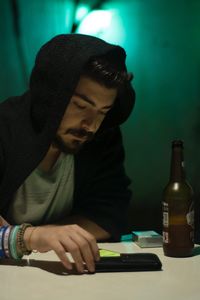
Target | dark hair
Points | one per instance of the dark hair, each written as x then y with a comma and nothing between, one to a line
106,73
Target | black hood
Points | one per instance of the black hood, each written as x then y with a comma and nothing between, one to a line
57,70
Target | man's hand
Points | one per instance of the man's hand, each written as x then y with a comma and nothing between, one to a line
68,238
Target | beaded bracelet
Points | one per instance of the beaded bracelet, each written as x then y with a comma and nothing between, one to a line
12,241
20,239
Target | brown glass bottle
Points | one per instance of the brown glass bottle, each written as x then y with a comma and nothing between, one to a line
178,213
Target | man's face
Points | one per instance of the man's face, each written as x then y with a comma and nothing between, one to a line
85,112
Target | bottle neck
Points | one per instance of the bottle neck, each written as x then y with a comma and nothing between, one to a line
177,173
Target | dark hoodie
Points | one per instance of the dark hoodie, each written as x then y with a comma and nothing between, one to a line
29,122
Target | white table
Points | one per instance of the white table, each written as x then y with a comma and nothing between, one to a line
43,278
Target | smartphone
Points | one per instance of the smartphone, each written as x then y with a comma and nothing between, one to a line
129,263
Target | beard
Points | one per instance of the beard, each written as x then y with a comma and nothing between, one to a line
74,145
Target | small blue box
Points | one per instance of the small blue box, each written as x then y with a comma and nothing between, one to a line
147,239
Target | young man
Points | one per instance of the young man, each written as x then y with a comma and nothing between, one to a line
61,152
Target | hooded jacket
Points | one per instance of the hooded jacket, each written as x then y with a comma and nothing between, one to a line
29,122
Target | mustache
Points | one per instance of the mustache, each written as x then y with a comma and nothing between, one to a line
81,133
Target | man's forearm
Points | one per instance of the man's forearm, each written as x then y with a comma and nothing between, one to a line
3,222
98,232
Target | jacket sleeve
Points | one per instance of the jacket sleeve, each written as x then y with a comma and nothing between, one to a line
1,162
105,196
1,172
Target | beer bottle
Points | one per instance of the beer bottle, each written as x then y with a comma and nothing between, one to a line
178,211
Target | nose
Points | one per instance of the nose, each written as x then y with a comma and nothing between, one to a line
91,122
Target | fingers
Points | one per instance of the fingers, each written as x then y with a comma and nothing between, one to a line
81,252
60,251
91,242
75,252
82,246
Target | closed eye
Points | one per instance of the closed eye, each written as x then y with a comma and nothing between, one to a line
79,105
105,112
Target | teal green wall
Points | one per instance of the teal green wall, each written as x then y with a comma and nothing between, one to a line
38,21
162,39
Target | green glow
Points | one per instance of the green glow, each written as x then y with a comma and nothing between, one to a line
81,12
95,22
106,24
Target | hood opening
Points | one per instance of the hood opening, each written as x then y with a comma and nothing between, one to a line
58,67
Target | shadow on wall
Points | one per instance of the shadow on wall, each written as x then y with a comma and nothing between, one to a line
196,179
145,218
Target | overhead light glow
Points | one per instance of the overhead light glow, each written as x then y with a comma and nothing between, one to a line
81,12
96,22
105,24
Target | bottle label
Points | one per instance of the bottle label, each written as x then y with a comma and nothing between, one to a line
190,215
165,214
178,230
165,237
190,220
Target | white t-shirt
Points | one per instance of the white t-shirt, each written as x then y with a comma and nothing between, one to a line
45,196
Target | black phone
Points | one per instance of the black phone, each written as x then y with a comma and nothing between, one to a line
129,262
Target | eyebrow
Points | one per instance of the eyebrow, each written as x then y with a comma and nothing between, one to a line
88,100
